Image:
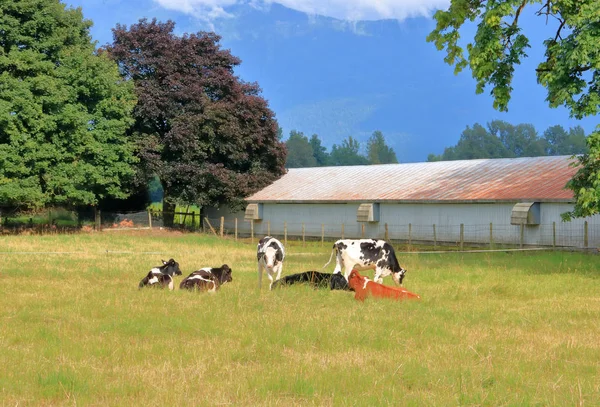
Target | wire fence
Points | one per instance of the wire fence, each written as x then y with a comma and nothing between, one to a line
443,236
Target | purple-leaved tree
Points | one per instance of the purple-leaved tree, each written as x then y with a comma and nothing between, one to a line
209,136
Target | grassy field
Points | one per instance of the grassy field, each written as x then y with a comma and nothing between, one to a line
501,329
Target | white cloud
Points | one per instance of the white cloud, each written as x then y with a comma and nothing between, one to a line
352,10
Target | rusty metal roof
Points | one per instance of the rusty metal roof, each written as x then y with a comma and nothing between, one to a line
485,180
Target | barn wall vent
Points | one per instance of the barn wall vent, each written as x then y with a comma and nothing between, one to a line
525,213
254,212
368,212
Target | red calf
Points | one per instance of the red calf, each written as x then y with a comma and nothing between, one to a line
363,288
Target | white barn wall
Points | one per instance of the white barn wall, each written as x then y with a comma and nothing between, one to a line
476,218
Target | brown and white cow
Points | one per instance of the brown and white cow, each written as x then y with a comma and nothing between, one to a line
364,288
365,254
161,276
208,279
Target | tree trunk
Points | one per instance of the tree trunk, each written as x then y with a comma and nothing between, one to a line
168,213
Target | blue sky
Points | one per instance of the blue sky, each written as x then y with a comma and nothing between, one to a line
342,68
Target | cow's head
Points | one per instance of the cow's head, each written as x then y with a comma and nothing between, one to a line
171,267
272,256
355,280
225,274
399,276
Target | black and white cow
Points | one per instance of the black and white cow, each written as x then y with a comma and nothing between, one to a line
315,279
207,279
364,254
270,255
162,276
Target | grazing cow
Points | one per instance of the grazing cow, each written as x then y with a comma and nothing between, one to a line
364,254
207,279
363,288
162,276
315,279
270,255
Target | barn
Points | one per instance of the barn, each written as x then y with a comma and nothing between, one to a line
509,201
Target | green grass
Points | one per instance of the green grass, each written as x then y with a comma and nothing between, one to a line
501,329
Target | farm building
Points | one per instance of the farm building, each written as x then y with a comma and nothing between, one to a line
515,201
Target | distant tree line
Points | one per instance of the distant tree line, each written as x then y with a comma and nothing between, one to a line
304,152
504,140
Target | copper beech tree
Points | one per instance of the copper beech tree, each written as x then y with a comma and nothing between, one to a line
207,135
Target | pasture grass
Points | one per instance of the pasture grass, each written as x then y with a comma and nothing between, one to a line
491,329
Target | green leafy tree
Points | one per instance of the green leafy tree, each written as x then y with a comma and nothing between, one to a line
64,110
475,142
519,141
561,142
378,152
299,151
319,152
347,153
570,70
209,137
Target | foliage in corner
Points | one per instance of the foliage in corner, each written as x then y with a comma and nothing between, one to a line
64,111
569,71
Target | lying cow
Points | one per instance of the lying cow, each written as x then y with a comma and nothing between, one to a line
208,279
270,255
364,254
363,288
162,276
315,279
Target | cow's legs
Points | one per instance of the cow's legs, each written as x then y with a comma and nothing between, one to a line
378,278
260,273
279,268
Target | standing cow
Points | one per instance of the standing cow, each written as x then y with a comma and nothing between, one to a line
364,254
270,255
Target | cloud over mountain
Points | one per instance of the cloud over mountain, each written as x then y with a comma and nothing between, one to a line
353,10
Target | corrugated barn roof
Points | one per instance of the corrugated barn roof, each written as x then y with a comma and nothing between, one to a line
485,180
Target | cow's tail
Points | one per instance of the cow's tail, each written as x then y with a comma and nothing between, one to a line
330,257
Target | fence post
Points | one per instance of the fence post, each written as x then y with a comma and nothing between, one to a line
222,226
252,230
97,218
285,232
303,234
268,228
387,234
585,234
491,236
434,237
149,219
522,235
553,234
322,234
409,235
362,230
194,220
235,229
260,273
342,230
462,236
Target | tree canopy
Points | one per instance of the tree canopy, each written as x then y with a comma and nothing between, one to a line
347,153
504,140
299,150
64,110
208,136
570,70
378,152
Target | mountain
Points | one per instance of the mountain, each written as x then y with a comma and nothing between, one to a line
337,78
